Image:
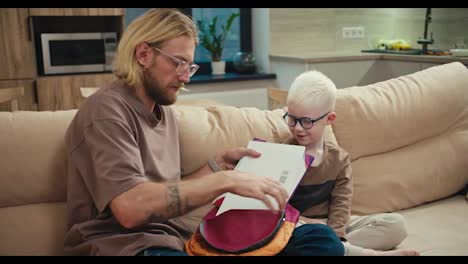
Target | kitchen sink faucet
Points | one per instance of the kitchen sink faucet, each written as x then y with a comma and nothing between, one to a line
424,41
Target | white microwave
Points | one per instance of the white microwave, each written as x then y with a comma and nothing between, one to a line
64,53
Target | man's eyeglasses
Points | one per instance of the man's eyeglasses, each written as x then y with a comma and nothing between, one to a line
306,123
182,66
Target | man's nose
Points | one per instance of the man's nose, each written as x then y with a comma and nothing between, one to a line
185,77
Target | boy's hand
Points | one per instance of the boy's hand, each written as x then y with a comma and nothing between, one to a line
229,159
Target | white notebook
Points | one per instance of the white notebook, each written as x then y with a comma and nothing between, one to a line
285,163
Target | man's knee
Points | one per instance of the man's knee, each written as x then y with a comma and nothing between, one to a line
317,240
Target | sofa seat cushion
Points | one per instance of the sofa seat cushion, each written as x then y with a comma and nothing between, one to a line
34,229
438,228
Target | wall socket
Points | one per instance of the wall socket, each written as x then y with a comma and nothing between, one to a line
353,32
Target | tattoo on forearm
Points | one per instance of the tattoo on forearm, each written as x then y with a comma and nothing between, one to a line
174,204
156,218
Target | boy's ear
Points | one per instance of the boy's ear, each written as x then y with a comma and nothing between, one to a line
331,117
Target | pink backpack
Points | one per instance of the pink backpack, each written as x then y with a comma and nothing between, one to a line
242,231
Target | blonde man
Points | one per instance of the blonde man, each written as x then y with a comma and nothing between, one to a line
124,176
324,194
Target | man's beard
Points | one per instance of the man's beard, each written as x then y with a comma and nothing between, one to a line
155,91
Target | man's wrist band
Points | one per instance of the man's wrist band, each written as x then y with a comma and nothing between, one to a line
214,165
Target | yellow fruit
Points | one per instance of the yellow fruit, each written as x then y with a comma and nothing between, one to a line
405,46
396,46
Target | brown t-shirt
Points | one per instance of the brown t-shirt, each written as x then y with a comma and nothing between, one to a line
113,144
325,191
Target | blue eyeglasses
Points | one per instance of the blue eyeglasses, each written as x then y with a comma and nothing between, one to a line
306,123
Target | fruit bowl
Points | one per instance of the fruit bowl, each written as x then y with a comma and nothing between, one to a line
459,52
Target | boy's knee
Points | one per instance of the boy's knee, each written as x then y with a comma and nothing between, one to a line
318,240
397,224
396,230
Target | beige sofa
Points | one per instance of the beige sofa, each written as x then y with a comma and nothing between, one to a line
408,139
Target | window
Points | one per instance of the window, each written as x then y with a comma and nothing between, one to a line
232,43
240,38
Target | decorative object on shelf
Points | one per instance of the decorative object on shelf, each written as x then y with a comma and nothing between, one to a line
218,67
244,62
459,52
213,41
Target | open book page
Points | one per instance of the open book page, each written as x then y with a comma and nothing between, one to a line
282,162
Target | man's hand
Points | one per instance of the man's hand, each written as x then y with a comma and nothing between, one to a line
248,185
229,159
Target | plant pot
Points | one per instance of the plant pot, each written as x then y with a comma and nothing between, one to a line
218,67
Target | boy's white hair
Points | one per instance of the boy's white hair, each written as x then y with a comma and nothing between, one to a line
313,88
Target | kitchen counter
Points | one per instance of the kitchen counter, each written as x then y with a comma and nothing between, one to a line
230,77
357,68
360,56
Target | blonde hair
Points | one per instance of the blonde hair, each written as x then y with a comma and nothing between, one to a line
153,27
313,88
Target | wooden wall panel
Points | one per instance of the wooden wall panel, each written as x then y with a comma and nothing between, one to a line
277,98
16,50
76,11
63,92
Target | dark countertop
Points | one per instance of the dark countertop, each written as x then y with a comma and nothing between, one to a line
320,57
230,77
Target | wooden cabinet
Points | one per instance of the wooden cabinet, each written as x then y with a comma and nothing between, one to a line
16,48
18,61
25,103
76,11
63,92
277,98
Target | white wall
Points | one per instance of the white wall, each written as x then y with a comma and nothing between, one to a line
261,38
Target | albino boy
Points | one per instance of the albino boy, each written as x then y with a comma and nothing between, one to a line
324,194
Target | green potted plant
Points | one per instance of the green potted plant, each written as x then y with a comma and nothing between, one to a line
213,41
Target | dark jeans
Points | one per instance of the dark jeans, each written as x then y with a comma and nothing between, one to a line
306,240
313,240
161,252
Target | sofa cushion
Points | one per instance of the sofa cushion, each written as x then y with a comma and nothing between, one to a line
207,131
407,138
33,157
402,111
425,171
